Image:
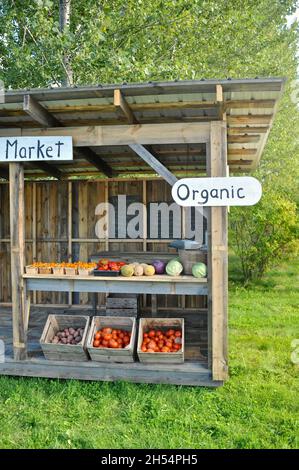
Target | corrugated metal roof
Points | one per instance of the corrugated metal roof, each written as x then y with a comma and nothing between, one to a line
250,106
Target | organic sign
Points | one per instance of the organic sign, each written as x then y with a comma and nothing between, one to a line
34,149
229,191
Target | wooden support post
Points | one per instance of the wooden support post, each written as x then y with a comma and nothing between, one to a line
144,228
218,263
70,231
17,236
34,233
106,197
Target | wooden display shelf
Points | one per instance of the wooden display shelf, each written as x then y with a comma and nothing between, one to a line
158,284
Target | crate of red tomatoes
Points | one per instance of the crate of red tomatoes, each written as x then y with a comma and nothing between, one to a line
161,340
106,267
112,339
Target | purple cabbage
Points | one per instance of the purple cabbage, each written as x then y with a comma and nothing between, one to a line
159,266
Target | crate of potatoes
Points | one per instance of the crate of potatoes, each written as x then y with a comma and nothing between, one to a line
64,338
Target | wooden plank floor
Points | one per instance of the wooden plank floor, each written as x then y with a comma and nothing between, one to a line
195,326
193,372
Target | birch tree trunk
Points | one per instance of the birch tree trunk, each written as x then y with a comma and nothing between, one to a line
64,25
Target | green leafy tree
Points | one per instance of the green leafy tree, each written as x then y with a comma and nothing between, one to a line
265,234
112,41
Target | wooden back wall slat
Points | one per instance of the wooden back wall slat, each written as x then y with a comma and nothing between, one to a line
47,231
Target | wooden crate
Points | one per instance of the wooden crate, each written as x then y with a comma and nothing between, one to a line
123,305
45,270
109,354
64,352
31,269
71,271
85,272
58,270
163,324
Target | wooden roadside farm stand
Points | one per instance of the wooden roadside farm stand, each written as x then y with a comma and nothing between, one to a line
132,140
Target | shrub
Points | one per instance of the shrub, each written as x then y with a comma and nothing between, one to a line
264,234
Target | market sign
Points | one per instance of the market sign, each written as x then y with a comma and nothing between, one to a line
36,149
228,191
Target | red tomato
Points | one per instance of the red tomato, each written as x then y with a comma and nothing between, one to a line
152,344
169,333
105,343
178,334
113,343
107,331
96,343
108,337
152,334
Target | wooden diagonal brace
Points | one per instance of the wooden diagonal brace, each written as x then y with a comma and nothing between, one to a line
153,162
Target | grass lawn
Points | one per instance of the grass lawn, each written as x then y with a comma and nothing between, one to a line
257,408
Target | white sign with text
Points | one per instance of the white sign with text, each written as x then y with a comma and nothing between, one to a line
227,191
34,149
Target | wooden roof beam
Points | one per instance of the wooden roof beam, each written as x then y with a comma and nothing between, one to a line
121,104
51,170
95,160
146,154
42,116
39,113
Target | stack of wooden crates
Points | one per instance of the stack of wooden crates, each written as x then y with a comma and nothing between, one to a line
122,305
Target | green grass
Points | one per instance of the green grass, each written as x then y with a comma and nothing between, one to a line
257,408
